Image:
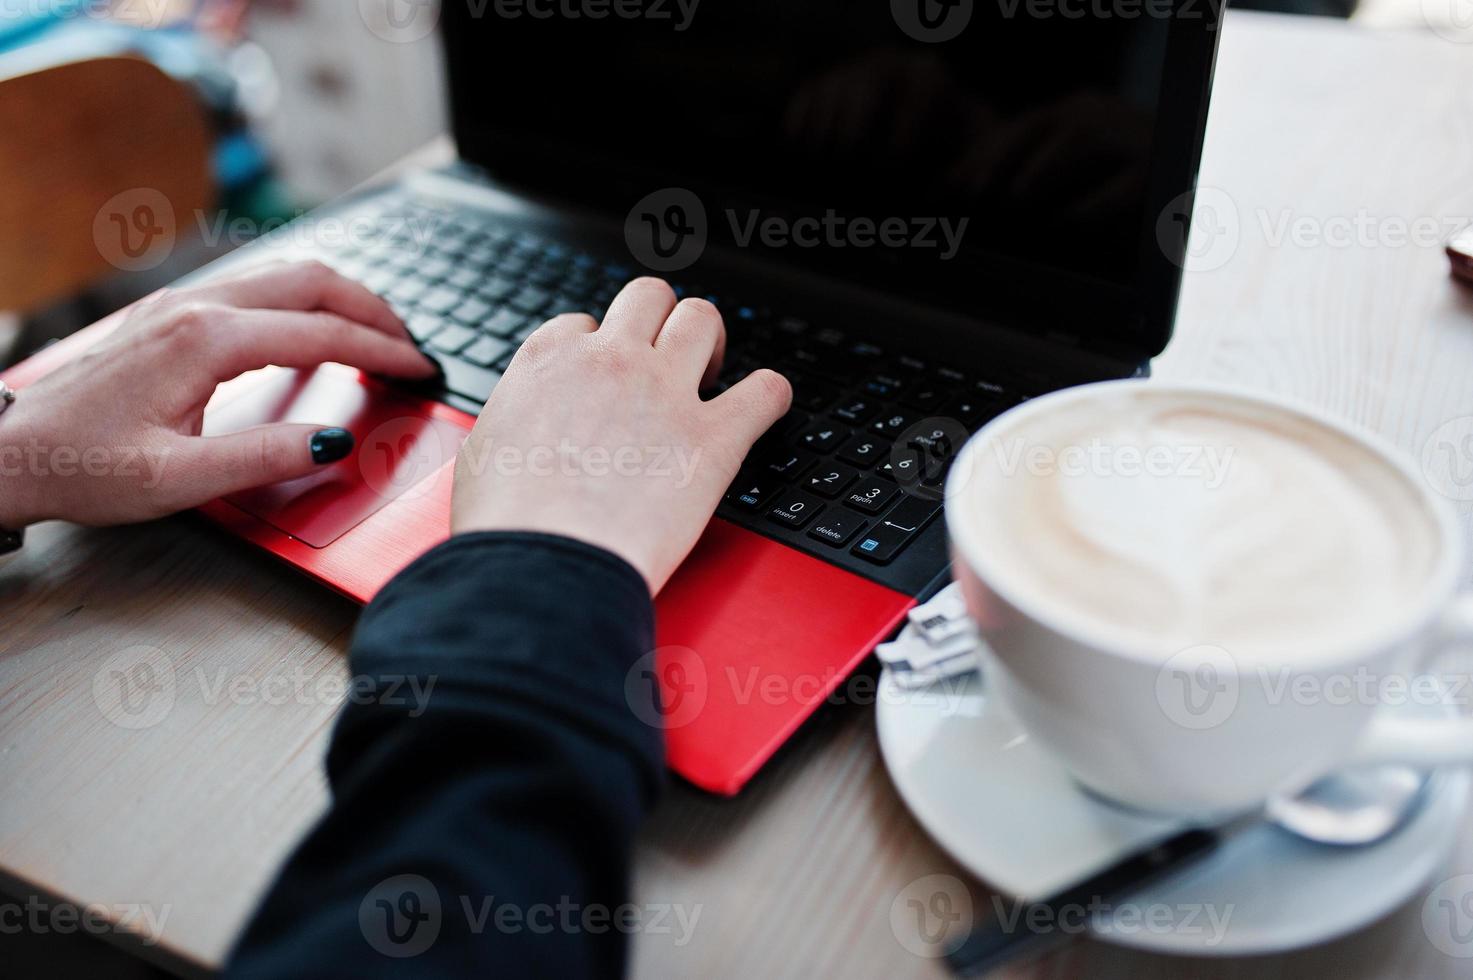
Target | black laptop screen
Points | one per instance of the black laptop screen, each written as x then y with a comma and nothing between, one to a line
983,155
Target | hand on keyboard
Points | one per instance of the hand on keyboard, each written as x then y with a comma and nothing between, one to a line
598,431
113,436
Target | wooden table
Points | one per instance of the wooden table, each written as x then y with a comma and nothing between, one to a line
1312,120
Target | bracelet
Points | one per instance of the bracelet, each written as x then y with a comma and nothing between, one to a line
10,541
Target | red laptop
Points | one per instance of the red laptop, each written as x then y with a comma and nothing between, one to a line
921,212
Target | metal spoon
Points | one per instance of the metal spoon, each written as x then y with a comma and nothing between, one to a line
1354,808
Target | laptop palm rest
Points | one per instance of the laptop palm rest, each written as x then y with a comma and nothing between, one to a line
397,449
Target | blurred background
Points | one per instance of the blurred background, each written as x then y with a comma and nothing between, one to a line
240,114
243,114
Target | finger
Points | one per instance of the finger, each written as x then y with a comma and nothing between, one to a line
752,405
216,466
640,310
244,340
567,325
695,339
305,286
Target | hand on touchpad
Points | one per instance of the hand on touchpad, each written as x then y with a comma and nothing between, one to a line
398,449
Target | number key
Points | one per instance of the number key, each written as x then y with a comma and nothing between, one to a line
829,481
795,509
871,495
854,410
864,451
823,438
892,422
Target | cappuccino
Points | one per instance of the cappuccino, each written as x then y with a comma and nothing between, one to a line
1162,519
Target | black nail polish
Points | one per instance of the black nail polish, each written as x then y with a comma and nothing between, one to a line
331,445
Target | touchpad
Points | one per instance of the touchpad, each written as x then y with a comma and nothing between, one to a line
397,450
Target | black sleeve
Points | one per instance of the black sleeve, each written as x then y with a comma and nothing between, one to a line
488,774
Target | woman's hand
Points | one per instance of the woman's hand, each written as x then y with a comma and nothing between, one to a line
598,432
114,436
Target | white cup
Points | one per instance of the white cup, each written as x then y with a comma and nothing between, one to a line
1199,733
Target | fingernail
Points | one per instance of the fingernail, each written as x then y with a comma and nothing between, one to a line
331,445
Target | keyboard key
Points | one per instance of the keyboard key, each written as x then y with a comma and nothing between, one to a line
829,481
453,338
871,495
812,395
912,513
789,464
864,451
924,397
475,383
464,277
971,409
486,351
496,289
898,529
795,509
407,290
472,311
892,422
530,299
904,468
441,299
507,323
823,438
855,410
836,528
751,492
881,387
422,326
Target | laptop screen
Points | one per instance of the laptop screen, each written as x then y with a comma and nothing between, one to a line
1008,159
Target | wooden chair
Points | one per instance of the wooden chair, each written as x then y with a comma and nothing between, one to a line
102,163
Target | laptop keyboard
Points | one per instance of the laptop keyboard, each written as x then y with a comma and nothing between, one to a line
854,470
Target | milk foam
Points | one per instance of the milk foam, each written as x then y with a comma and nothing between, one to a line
1175,519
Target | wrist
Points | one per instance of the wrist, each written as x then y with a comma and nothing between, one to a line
19,492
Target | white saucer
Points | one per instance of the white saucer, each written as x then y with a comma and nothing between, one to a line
1010,814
